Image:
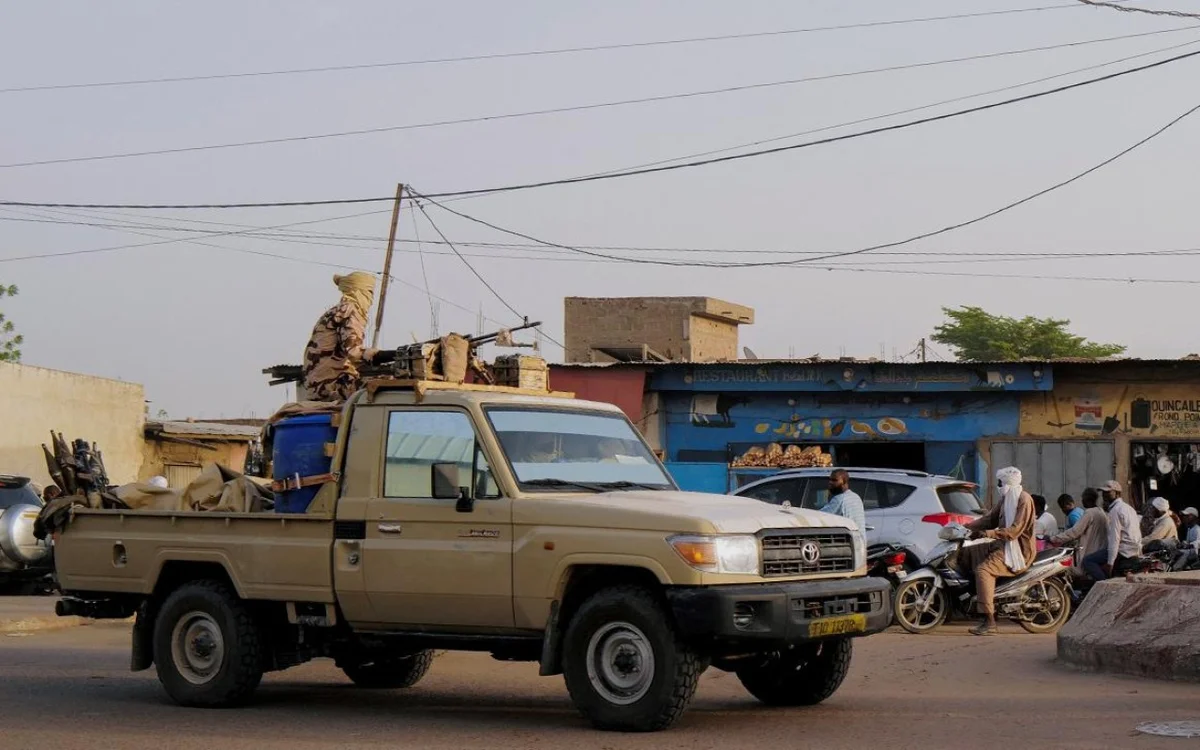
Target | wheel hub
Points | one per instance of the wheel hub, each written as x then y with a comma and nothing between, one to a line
620,663
197,647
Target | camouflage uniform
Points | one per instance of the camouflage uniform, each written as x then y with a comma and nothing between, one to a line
335,350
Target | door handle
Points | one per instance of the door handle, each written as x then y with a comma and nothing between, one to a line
389,528
870,528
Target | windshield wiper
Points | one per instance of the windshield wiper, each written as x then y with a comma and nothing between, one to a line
551,482
626,485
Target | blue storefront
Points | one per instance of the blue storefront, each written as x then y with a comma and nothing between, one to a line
906,416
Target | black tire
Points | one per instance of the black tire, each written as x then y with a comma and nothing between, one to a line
1054,598
802,676
628,624
390,673
919,606
207,646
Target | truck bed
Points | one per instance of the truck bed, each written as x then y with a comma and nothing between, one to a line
269,556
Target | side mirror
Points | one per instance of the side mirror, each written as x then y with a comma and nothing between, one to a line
445,486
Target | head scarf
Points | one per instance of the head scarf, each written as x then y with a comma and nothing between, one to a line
1010,489
358,289
1160,504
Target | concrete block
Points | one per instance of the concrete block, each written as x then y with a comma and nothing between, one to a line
1137,627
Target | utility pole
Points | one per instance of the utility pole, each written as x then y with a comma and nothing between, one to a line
387,266
922,347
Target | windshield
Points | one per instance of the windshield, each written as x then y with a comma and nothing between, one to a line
552,449
17,493
959,499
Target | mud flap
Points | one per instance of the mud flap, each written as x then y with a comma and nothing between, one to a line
551,661
142,655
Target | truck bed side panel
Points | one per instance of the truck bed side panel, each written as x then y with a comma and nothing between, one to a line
267,556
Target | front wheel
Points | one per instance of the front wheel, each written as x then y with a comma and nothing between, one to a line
802,676
390,673
1045,607
921,607
624,664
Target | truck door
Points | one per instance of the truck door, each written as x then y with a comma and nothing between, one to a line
424,562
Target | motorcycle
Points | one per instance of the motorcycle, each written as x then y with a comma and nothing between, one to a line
887,561
1039,599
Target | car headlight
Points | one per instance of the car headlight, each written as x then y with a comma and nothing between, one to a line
719,554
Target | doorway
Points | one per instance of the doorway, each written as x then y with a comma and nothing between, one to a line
880,455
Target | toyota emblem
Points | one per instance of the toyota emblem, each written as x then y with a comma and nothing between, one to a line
810,552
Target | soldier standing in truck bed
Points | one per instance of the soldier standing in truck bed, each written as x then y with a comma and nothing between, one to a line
335,351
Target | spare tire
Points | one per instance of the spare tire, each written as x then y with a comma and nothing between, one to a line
17,541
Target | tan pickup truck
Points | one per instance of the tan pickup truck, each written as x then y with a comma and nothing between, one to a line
535,528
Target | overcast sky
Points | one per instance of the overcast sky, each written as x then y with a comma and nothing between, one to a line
197,324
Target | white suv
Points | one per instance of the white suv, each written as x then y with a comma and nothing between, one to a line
907,508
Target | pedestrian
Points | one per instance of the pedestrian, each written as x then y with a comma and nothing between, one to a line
844,501
335,351
1046,524
1010,527
1070,510
1163,534
1124,545
1090,531
1191,525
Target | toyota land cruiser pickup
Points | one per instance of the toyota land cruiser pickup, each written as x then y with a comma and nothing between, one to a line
535,528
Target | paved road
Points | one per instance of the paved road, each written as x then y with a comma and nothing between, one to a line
72,689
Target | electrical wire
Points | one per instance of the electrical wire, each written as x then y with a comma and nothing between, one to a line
530,53
424,273
898,112
1135,9
631,173
473,270
572,108
559,255
830,256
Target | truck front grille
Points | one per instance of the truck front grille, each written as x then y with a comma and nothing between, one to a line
791,553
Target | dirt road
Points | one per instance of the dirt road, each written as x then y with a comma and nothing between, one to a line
72,689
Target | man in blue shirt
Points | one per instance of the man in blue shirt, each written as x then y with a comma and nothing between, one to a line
845,502
1071,511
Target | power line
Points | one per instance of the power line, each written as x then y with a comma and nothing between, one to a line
830,268
830,256
630,173
1135,9
896,113
564,255
294,259
573,108
529,53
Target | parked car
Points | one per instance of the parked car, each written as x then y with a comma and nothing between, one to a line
25,561
907,508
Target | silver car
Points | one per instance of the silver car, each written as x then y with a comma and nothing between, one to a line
907,508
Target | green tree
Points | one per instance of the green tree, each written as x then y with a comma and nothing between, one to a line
976,335
10,342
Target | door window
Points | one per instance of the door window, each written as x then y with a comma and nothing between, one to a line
417,440
790,490
875,494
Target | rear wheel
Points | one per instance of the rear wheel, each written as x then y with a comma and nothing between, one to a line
802,676
921,607
390,673
207,646
1045,607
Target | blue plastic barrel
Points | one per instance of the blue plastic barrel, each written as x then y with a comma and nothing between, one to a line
299,450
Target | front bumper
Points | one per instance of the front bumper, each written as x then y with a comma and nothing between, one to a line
780,614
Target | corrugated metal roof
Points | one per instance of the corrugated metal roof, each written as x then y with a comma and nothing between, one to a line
202,430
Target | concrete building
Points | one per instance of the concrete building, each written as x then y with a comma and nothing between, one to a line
36,400
692,329
177,449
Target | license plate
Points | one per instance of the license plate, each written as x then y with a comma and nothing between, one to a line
837,626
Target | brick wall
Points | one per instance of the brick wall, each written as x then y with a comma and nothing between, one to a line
680,328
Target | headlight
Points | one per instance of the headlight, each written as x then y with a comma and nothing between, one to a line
719,554
860,550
